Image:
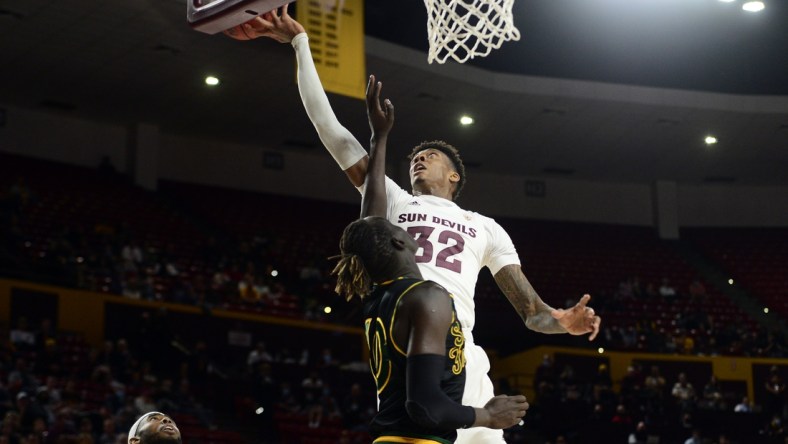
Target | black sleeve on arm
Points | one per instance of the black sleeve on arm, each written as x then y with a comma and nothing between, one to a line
427,404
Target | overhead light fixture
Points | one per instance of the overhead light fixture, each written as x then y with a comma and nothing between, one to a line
466,120
211,81
753,6
727,1
710,140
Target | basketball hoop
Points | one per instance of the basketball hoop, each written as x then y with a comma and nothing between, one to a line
464,29
213,16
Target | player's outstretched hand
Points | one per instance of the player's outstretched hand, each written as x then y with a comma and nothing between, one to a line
381,118
579,319
276,24
504,411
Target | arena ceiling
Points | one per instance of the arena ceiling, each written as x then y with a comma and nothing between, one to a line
611,90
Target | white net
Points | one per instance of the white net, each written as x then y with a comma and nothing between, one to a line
464,29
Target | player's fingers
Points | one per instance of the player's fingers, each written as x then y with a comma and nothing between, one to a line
378,87
283,10
595,327
370,82
389,110
275,15
266,20
584,300
590,312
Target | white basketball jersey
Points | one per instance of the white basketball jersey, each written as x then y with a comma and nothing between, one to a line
454,244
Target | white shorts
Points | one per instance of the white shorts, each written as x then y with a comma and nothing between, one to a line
478,391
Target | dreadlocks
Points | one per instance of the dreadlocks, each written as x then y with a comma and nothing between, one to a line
450,152
366,251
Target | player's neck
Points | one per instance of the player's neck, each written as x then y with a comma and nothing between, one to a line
432,190
404,269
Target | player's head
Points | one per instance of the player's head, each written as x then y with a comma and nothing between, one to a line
154,428
436,162
373,249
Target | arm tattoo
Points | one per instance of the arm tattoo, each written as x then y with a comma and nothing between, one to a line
531,308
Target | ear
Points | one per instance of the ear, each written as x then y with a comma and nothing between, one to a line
398,242
454,177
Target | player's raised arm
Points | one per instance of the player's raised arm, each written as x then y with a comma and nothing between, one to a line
539,316
381,119
346,150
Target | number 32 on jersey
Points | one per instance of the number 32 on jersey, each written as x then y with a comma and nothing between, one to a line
446,243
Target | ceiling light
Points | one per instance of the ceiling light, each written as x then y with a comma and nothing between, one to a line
211,81
753,6
710,140
466,120
727,1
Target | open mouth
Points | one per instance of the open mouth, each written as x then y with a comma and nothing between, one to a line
168,428
418,168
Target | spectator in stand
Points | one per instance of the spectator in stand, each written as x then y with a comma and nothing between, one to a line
285,356
775,393
744,406
651,291
629,336
357,410
258,355
639,435
144,402
697,291
632,382
85,434
684,394
29,412
109,432
286,398
621,424
329,407
246,289
546,371
654,386
327,358
312,388
22,338
667,291
261,290
625,292
712,395
695,438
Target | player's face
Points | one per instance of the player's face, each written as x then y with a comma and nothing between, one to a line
158,429
430,166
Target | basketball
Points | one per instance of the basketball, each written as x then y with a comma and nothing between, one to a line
238,33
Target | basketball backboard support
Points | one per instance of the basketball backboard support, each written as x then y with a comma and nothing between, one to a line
214,16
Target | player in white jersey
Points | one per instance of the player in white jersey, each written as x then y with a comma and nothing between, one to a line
455,243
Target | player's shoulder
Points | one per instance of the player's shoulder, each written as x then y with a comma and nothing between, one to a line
428,293
487,221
